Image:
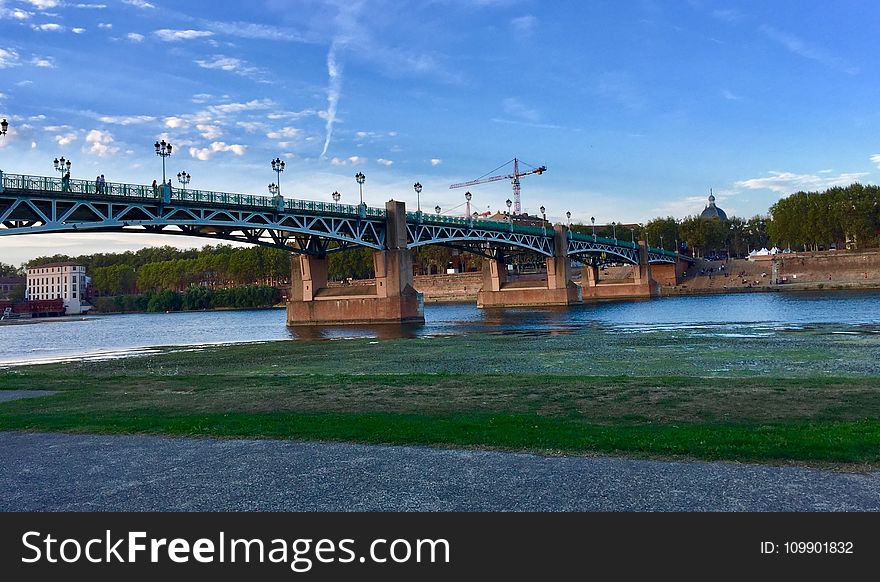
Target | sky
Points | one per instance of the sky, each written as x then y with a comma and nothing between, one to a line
637,108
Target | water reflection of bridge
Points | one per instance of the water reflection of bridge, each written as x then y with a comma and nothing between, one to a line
313,230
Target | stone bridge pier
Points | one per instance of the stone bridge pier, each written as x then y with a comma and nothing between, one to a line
558,289
643,285
392,299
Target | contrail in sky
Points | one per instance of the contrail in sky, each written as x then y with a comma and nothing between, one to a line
334,89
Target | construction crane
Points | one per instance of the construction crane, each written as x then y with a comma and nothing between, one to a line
514,179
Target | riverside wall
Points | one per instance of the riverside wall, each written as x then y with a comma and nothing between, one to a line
796,271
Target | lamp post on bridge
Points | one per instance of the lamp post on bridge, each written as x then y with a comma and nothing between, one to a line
278,167
661,242
273,189
544,220
63,166
4,125
336,196
614,230
632,235
467,197
437,209
184,179
163,150
568,216
418,188
593,224
509,215
360,178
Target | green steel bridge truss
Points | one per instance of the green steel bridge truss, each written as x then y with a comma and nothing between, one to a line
36,204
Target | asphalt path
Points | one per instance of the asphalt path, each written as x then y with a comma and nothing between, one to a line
66,472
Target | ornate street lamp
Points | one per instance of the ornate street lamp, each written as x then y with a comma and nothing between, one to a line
568,216
614,230
63,166
278,167
509,215
360,180
661,242
273,189
418,188
184,179
4,125
336,196
437,209
544,219
632,235
163,150
593,223
467,197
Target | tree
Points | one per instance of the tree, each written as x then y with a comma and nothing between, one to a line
662,229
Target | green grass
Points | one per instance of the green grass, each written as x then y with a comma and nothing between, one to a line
652,395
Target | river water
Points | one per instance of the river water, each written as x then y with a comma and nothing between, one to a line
745,316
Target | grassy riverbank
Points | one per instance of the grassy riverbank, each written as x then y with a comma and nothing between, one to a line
470,391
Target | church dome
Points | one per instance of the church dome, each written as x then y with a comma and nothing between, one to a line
713,211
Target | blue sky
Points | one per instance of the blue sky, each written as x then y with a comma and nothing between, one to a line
636,107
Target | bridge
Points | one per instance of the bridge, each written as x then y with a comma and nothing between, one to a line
313,230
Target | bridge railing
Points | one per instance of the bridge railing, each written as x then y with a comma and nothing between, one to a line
89,188
573,235
426,218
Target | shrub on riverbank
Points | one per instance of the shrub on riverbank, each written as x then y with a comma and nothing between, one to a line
193,299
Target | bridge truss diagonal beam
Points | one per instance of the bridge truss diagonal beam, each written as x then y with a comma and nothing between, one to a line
463,235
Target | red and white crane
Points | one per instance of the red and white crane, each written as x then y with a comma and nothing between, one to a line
514,179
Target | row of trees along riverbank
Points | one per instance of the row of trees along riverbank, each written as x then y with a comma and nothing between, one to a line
832,218
167,279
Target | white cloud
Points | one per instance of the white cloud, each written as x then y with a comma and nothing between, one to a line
99,143
19,14
876,159
730,95
135,37
285,132
524,25
232,65
65,139
353,161
139,4
801,48
384,162
92,6
252,105
436,162
43,62
169,35
105,25
77,30
126,119
209,131
788,182
8,58
205,154
516,108
48,27
174,122
43,4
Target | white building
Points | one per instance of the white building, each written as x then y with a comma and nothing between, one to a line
67,281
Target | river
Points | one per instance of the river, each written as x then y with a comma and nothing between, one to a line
729,316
